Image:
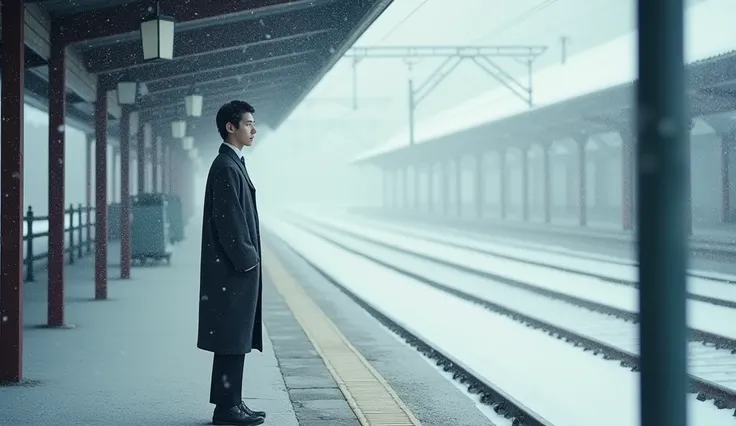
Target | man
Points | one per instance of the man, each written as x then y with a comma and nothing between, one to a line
230,279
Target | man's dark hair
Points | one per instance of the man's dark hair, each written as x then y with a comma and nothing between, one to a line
232,112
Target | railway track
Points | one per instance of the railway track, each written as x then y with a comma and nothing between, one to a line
604,330
489,394
573,271
700,248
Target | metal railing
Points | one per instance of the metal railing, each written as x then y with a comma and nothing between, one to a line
78,227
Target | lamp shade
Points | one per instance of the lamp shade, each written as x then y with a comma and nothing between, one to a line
157,37
193,105
178,128
127,92
187,143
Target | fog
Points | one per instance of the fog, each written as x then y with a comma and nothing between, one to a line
309,158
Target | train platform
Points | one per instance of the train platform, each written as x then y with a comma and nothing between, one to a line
132,359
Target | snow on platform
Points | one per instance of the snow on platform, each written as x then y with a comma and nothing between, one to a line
131,360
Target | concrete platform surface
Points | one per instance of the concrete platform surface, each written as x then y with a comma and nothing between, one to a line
130,360
432,396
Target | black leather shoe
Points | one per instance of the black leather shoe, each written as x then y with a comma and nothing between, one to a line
251,412
234,416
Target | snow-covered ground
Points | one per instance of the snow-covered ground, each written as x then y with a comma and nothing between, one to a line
562,383
701,315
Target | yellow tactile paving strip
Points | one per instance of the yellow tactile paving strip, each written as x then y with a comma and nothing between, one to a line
366,391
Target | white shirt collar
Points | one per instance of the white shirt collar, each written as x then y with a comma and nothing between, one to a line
237,151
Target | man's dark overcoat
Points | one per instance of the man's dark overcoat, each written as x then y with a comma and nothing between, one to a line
230,286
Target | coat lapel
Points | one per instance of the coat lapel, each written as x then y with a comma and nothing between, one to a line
224,149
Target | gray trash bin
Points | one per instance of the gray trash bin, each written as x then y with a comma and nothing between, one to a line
150,238
176,225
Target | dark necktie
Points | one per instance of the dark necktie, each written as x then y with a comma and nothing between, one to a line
242,160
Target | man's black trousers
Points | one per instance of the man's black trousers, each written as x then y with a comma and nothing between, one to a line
227,380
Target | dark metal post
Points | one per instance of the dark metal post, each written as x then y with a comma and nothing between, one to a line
88,225
101,193
29,246
11,204
71,234
114,184
661,212
80,229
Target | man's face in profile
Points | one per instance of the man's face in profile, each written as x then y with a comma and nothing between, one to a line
246,131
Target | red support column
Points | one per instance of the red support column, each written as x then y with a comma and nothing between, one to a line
57,113
125,248
547,175
11,204
114,168
101,193
141,157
